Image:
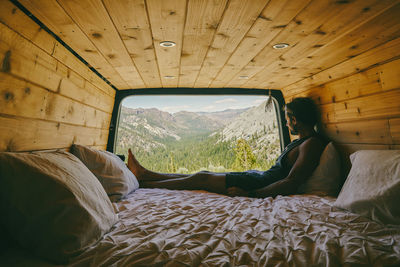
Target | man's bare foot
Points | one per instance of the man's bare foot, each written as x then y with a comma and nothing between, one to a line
134,166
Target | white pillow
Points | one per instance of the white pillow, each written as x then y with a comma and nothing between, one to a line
113,174
51,204
326,179
372,188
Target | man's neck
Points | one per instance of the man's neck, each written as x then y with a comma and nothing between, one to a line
304,133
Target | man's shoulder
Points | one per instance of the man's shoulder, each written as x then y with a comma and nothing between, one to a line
314,142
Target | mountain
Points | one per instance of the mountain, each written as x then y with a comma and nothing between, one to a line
259,127
151,128
225,116
192,141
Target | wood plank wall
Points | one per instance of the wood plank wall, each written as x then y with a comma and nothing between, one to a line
48,98
359,100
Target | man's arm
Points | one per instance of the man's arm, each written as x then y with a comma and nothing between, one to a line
309,154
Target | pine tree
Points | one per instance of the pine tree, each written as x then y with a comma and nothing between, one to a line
171,166
245,158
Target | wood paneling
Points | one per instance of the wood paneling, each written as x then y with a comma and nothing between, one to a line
202,20
374,31
15,19
377,56
383,105
220,43
238,18
20,98
273,19
395,130
269,62
48,99
24,134
359,132
167,19
130,19
92,17
28,62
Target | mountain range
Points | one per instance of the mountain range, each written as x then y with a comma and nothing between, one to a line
150,130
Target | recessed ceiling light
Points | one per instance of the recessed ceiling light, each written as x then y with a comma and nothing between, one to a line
169,77
243,77
280,46
167,44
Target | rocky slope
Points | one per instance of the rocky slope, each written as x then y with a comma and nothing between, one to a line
147,129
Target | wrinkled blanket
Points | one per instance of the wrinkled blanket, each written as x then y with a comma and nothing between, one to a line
185,228
160,227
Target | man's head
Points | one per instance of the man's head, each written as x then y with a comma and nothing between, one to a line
301,112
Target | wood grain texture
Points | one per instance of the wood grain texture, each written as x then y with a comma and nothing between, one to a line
360,132
378,79
29,62
92,17
394,125
374,57
371,33
269,61
202,20
20,98
236,22
44,103
226,43
21,134
324,47
272,20
382,105
167,20
131,21
55,18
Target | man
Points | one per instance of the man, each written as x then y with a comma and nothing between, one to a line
292,168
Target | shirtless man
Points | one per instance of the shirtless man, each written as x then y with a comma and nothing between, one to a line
296,163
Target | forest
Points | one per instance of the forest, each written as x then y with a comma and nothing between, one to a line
203,152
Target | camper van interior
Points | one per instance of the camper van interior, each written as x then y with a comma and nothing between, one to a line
75,79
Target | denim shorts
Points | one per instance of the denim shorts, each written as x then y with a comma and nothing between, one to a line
251,180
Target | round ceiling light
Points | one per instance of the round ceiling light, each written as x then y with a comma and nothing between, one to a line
167,44
280,46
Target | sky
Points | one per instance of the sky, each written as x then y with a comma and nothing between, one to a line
194,103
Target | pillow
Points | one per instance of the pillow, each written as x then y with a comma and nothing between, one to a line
372,188
326,178
51,204
113,174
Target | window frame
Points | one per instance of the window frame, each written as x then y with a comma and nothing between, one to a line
276,95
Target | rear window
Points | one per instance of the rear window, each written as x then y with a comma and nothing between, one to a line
187,134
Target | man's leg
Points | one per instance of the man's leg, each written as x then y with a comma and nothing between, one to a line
144,174
212,182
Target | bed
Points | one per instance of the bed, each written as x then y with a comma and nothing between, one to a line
160,227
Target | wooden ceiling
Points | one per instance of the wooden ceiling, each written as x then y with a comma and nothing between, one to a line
219,43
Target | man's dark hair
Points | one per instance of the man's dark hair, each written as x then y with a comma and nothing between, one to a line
304,109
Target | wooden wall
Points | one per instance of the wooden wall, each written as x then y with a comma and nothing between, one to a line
359,100
48,98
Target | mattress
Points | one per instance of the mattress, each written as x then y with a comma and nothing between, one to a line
160,227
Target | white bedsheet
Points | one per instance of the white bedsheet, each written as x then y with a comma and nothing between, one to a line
160,227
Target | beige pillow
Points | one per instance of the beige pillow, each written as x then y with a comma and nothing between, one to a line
116,178
372,188
326,179
51,204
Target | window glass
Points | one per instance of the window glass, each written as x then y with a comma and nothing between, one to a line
186,134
